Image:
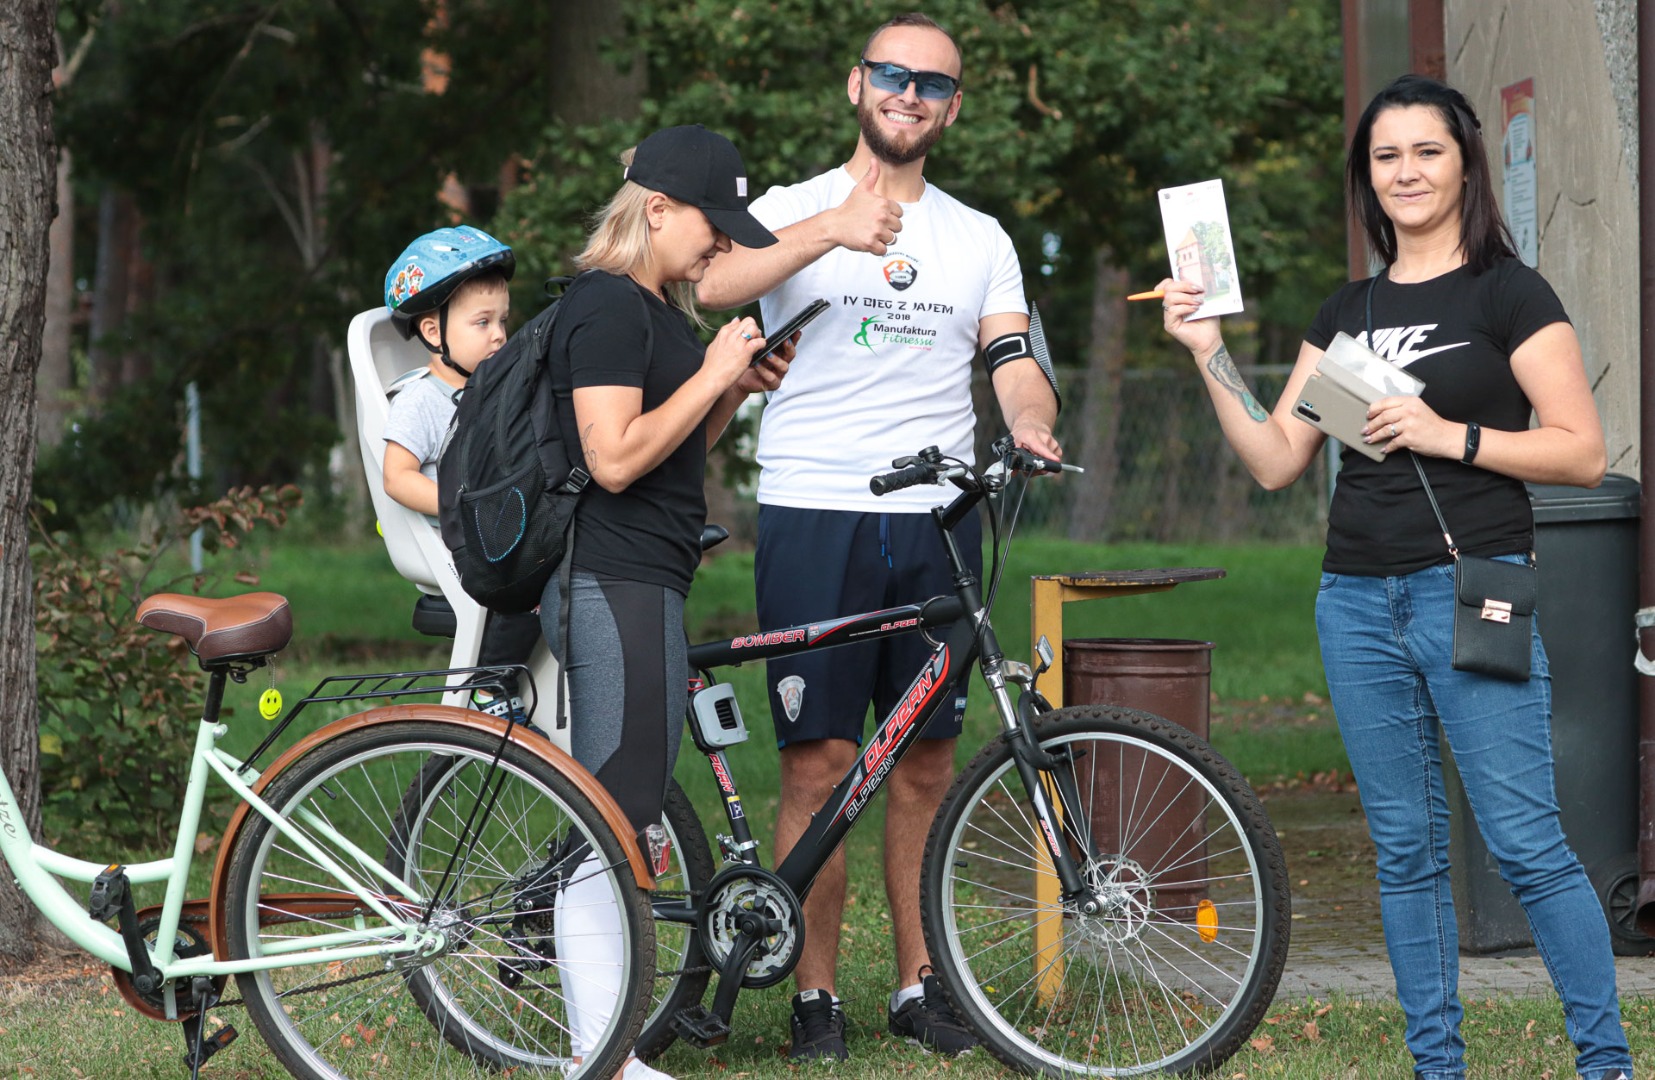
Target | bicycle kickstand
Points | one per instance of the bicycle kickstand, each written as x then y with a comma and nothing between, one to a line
199,1046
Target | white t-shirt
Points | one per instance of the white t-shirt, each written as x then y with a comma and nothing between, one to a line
885,371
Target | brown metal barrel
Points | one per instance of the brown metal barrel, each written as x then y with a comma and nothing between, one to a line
1142,809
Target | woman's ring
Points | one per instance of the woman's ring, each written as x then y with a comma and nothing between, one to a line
1393,431
749,337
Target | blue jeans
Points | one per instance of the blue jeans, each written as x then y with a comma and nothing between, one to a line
1386,645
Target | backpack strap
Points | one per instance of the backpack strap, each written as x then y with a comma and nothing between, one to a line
566,567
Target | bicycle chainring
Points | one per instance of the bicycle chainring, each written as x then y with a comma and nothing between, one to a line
738,894
187,942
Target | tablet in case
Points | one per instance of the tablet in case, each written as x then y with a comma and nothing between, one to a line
1348,378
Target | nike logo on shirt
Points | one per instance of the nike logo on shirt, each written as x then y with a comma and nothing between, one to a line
1400,344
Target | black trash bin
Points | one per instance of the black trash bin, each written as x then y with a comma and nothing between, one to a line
1586,544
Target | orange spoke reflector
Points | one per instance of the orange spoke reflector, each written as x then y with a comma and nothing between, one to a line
1206,921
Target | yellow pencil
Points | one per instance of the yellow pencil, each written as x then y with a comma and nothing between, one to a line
1153,294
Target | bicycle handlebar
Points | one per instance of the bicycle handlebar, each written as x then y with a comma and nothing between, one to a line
929,467
885,483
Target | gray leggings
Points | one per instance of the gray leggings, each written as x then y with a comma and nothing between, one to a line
628,683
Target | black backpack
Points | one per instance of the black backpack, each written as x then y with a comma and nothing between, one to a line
506,485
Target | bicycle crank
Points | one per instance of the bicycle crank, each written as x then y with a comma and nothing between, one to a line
749,904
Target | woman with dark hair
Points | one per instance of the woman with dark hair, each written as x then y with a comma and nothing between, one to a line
1492,344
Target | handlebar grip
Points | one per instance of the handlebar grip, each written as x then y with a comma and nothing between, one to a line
885,483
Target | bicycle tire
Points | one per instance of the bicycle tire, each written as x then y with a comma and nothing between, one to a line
681,964
1181,966
342,1015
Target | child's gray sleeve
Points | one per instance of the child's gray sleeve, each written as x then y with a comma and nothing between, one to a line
417,422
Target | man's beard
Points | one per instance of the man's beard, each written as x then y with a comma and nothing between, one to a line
889,152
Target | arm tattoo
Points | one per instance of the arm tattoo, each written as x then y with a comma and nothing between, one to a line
1224,370
586,450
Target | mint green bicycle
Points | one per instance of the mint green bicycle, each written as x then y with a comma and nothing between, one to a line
376,924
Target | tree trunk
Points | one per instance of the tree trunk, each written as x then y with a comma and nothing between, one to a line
117,222
137,364
584,87
1093,442
56,379
27,182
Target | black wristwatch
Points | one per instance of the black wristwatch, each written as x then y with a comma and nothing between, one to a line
1473,438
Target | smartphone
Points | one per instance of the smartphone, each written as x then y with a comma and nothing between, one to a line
772,342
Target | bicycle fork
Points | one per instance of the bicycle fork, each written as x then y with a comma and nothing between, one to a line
1048,779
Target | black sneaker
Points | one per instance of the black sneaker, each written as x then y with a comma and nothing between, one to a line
818,1028
928,1022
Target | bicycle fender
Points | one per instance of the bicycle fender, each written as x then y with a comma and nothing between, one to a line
528,740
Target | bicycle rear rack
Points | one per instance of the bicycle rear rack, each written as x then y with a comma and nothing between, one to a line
396,684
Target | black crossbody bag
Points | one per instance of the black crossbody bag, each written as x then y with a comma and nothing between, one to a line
1493,600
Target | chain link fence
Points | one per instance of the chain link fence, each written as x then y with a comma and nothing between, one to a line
1160,470
1157,468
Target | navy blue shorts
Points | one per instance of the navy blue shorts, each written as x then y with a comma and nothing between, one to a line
812,565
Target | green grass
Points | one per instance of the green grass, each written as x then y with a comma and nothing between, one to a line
85,1029
1269,716
352,614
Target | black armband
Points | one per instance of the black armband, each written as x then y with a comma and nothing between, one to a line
1006,348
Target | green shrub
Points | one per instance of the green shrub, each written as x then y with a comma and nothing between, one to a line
113,695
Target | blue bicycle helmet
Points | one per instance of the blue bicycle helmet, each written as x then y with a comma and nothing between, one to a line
424,276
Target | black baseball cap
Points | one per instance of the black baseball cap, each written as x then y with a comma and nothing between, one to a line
703,169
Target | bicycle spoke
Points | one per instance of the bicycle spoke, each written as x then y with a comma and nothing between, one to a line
1165,968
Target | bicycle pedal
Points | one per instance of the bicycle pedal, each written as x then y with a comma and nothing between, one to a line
700,1027
211,1045
109,890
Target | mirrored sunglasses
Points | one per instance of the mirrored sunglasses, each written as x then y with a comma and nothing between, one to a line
894,78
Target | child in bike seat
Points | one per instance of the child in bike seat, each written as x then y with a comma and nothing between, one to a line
449,287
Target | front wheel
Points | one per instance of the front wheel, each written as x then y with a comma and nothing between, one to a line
452,967
1179,962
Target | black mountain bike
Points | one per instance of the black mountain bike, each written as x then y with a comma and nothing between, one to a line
1102,893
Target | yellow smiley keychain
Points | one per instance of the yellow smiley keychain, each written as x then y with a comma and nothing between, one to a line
270,703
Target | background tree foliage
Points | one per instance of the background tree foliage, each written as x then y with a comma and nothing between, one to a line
1074,115
271,157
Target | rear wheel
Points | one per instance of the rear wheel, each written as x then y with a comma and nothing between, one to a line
681,965
1180,963
478,994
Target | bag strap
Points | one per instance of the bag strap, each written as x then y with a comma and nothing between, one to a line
1447,537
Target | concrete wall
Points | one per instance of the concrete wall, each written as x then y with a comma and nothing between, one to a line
1581,55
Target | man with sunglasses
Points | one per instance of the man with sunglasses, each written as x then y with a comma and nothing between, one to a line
917,284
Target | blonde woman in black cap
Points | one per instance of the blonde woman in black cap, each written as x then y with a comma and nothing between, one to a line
647,398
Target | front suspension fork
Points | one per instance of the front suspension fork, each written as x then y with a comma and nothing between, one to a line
1047,777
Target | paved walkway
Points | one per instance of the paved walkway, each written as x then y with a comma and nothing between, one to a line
1338,945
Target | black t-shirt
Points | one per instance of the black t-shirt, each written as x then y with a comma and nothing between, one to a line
1456,332
651,531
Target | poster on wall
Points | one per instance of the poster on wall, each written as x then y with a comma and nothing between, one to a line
1522,190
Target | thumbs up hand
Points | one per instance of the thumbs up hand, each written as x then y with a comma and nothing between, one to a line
866,220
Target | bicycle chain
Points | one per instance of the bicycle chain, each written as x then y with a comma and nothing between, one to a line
228,1003
704,969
